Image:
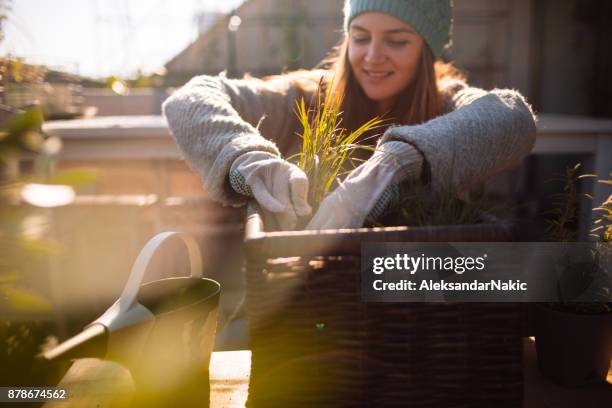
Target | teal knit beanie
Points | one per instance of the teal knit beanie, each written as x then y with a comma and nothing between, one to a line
431,18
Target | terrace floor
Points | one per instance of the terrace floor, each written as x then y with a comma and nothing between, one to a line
95,383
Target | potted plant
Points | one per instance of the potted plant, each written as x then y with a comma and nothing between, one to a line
328,150
314,342
574,336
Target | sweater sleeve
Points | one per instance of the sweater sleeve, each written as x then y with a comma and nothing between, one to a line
214,120
484,133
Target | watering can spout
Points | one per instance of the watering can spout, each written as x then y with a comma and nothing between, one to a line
90,343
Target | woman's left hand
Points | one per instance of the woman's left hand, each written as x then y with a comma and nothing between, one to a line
349,205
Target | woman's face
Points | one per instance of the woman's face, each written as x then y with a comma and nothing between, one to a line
384,54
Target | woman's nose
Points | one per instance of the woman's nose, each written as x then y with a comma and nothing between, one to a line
374,54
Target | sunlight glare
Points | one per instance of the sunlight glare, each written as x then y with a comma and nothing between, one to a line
47,196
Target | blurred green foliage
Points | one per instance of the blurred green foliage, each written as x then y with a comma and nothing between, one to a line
19,135
27,320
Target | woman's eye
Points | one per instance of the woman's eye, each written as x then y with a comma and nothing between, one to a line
398,43
362,40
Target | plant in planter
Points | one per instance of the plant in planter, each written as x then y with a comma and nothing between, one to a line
581,287
327,154
418,207
574,336
315,343
327,148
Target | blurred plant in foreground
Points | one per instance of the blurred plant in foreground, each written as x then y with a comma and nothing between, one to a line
26,316
19,136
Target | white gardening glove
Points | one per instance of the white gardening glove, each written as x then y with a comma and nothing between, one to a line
349,205
278,186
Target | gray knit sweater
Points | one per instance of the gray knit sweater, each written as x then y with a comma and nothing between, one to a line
214,120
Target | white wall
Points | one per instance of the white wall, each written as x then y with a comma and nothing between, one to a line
145,101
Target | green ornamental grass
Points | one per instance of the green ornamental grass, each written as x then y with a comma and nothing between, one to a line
327,154
327,147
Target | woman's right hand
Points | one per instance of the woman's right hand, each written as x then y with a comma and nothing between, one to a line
278,186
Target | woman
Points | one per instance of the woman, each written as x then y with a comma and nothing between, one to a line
447,133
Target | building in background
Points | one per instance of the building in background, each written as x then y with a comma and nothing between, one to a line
206,19
272,36
58,93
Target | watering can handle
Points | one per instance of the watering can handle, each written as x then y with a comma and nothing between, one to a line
128,296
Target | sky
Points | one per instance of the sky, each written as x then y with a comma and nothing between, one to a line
99,38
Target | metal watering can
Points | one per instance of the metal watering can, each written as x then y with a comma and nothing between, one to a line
163,331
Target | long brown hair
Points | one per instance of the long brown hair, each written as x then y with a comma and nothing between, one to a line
420,102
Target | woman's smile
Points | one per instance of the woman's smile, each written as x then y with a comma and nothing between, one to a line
377,75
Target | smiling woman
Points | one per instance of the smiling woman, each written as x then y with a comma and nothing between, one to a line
385,67
440,132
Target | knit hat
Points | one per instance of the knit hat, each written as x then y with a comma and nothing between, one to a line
430,18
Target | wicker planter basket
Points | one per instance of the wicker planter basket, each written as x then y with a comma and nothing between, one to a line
315,343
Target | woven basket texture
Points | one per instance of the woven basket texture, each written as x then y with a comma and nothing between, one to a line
316,344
